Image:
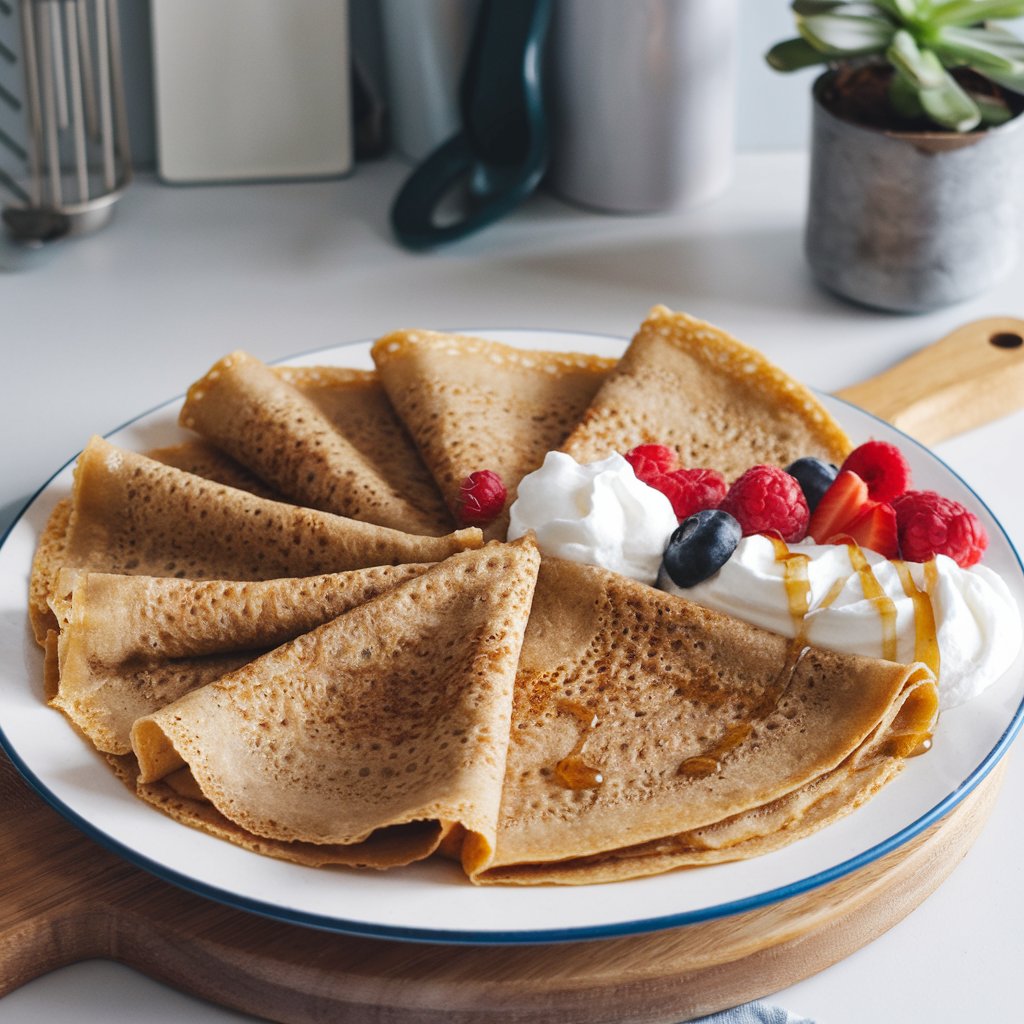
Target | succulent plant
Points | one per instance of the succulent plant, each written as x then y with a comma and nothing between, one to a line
924,41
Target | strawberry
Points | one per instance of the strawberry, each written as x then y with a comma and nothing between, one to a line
839,506
874,528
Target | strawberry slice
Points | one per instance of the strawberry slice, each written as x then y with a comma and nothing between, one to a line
839,506
874,529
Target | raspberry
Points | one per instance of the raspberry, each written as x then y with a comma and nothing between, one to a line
882,467
690,490
483,497
650,460
767,499
930,525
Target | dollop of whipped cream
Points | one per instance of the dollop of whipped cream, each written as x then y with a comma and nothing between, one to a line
598,513
977,624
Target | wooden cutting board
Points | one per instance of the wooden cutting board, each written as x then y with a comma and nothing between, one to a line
63,898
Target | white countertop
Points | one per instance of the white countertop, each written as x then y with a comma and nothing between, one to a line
113,324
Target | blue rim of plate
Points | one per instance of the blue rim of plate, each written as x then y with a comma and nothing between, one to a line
621,929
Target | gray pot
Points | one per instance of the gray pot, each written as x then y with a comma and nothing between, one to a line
912,221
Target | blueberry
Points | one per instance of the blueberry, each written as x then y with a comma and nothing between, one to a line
700,546
814,477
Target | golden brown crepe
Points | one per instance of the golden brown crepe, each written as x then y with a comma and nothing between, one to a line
720,404
265,422
472,404
393,715
207,460
650,733
129,645
356,403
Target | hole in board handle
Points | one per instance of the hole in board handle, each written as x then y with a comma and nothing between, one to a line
1006,339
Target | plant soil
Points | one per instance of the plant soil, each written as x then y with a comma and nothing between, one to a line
860,93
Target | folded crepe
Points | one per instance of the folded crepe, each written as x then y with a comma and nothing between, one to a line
649,733
720,404
129,645
386,726
208,461
472,404
135,516
330,462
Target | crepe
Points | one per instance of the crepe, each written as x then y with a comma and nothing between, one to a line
650,733
265,422
472,404
720,404
129,645
196,457
393,715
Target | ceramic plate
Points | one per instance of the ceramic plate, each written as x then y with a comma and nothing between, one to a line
433,901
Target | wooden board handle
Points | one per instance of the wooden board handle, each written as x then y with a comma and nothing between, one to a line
972,376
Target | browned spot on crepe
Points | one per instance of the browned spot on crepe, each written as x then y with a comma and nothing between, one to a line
472,404
394,714
719,403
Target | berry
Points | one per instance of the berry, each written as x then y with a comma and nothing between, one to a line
814,477
839,506
690,490
767,499
874,529
700,546
483,497
882,467
650,460
931,525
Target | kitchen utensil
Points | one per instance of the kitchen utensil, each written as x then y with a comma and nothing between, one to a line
499,155
77,151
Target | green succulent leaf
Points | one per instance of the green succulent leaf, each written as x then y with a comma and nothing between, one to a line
904,98
980,48
794,54
840,35
993,111
911,10
909,59
971,12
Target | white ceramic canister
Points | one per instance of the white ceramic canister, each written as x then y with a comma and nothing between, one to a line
643,102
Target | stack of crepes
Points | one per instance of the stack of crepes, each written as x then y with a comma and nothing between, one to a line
312,682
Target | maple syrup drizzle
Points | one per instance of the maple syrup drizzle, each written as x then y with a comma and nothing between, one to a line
874,592
926,643
573,771
798,585
709,762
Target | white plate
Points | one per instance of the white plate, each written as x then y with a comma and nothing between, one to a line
433,901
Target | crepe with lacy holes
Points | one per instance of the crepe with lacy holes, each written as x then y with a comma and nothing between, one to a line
472,404
262,419
129,645
133,515
394,715
650,733
720,404
197,457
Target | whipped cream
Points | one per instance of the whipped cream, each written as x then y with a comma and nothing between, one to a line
977,626
598,514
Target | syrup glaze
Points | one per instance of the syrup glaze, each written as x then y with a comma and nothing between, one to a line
573,771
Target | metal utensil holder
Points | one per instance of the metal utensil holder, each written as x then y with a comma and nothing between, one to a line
76,154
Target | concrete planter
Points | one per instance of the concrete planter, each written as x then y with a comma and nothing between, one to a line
912,221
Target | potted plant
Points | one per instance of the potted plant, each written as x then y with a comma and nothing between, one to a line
917,146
